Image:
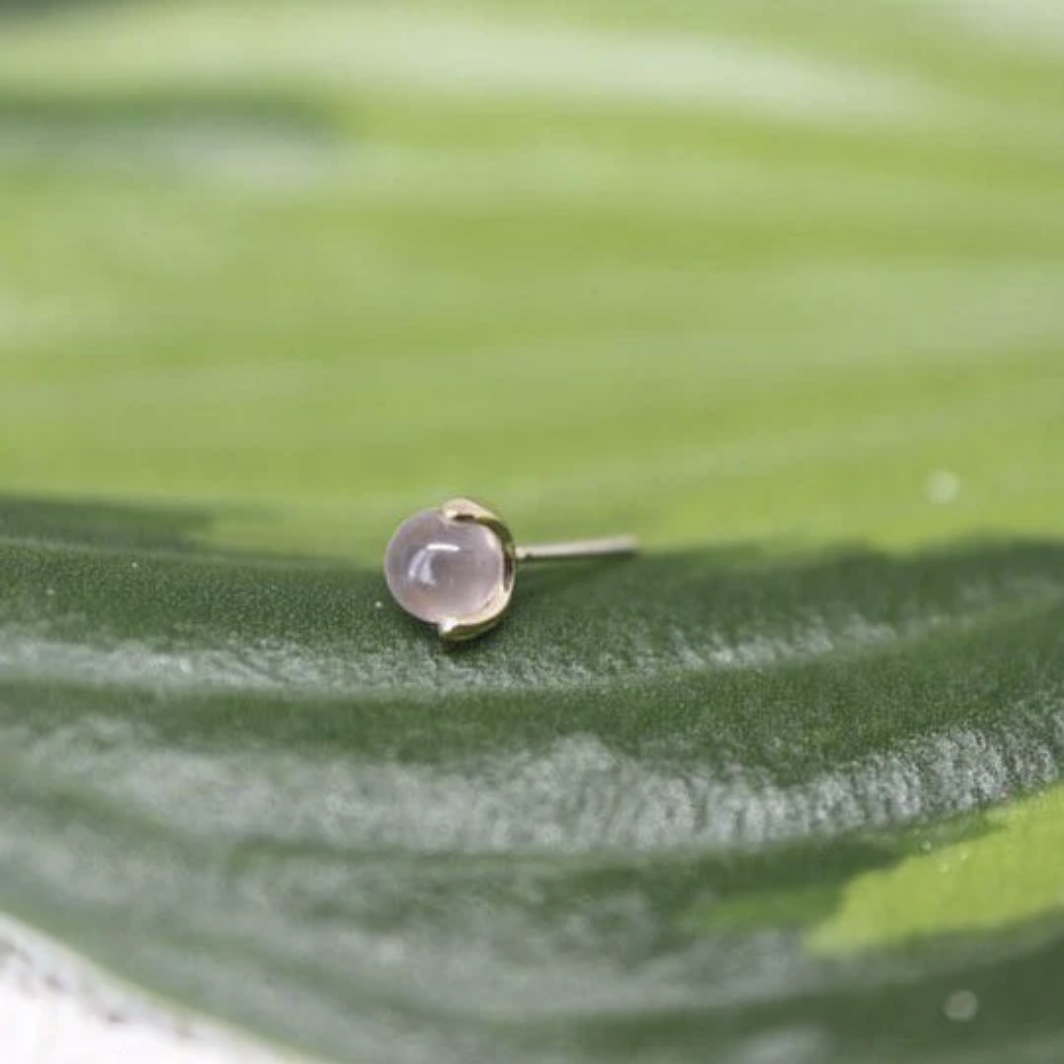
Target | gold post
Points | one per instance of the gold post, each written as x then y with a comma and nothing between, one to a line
592,548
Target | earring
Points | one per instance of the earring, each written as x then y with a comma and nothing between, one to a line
455,567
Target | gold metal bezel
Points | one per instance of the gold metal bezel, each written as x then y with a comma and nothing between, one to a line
461,629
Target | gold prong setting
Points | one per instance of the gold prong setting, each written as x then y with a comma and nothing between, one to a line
462,629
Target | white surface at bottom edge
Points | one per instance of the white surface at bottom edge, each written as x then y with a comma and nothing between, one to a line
57,1008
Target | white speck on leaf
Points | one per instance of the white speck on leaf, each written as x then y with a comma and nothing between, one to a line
942,487
961,1006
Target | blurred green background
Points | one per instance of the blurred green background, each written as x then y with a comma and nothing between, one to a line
706,271
781,274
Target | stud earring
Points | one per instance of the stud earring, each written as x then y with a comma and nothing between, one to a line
455,567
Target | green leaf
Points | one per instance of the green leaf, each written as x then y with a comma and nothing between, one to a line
962,886
775,287
673,803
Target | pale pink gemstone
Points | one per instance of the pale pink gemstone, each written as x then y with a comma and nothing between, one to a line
439,569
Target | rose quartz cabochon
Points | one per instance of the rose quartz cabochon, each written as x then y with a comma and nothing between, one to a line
439,569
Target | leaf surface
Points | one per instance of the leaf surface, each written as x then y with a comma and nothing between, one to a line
690,800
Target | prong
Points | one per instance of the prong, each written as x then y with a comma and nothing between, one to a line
461,631
461,509
470,510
